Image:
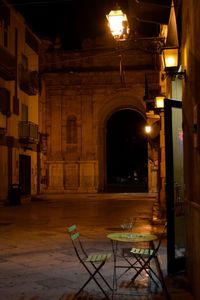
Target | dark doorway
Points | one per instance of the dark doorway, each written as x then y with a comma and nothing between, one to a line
25,174
127,159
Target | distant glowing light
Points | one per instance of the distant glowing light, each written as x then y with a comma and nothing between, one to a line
170,61
148,129
159,101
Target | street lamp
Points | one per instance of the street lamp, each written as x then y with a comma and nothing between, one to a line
170,57
119,27
118,24
148,129
159,102
159,204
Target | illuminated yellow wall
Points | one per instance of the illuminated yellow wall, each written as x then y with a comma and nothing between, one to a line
9,172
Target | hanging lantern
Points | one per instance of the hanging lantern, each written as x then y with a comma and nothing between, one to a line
118,24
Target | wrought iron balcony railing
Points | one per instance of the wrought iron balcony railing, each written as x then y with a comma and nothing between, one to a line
28,132
28,81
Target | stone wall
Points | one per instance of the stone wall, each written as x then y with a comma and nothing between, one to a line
81,92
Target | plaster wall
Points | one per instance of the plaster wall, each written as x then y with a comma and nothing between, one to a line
191,117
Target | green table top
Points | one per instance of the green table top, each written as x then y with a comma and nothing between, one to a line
129,237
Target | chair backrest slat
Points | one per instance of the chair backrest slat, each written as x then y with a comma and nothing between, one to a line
74,236
72,228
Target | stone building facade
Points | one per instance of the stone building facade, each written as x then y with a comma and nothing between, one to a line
80,92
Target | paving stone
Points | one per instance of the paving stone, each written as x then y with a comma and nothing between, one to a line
37,260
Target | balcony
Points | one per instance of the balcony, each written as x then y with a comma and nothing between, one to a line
28,81
28,132
7,65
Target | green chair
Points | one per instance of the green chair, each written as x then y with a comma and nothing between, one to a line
93,263
144,256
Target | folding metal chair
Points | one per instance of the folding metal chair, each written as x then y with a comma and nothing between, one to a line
144,257
92,262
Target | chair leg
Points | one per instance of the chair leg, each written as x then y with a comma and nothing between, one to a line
161,278
92,277
132,266
143,266
102,276
148,269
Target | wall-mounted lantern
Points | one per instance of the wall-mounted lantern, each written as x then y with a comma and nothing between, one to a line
170,57
171,63
148,129
118,24
159,102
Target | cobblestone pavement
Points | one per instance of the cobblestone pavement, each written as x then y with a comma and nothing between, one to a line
37,261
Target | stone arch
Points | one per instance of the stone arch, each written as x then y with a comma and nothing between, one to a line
113,104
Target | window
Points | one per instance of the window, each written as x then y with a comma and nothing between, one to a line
24,113
5,36
5,101
71,130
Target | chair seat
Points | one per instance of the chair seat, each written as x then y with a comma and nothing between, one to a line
142,251
126,252
144,257
98,257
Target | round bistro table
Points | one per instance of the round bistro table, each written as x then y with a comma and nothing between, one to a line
124,238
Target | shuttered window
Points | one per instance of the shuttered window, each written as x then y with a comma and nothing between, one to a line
4,101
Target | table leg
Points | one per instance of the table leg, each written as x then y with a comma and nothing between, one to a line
114,249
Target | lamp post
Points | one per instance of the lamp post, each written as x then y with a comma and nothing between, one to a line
152,131
119,28
156,156
159,106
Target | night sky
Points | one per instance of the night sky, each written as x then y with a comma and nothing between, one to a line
71,20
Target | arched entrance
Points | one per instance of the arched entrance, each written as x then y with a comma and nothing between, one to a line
126,152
